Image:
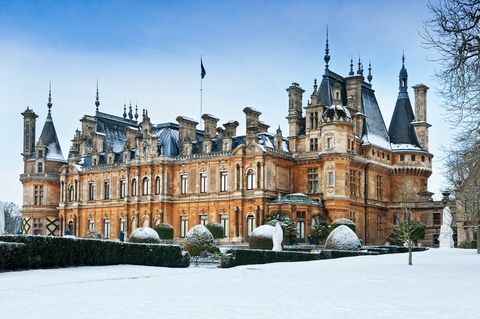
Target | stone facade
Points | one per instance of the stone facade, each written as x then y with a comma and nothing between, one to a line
338,161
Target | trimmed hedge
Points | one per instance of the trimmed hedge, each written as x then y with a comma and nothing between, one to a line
216,229
239,257
48,252
165,231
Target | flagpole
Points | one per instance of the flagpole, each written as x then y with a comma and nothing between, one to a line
201,96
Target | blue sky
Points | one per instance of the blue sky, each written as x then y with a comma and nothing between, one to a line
148,52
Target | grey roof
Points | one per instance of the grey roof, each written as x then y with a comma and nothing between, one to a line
325,94
374,129
114,129
168,143
49,138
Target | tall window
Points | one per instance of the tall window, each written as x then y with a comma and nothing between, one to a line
203,182
123,189
91,223
62,191
330,179
183,225
40,167
238,177
329,143
157,185
355,183
106,228
437,219
184,184
223,181
91,191
38,195
106,190
379,187
301,229
203,219
145,186
314,120
224,222
250,224
122,225
313,144
134,187
250,180
312,181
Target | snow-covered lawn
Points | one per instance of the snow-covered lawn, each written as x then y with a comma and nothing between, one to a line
441,284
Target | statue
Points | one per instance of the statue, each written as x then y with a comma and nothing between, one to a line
2,222
446,232
277,237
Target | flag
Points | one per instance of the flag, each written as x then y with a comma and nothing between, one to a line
203,72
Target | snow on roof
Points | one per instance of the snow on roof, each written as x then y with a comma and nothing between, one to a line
54,153
397,147
376,140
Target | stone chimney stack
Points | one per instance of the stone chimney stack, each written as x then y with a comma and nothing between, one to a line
210,126
29,124
295,96
252,116
187,132
421,126
231,128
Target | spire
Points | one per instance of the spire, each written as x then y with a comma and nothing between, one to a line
136,112
130,113
403,77
359,70
124,110
369,77
97,101
351,67
49,104
326,58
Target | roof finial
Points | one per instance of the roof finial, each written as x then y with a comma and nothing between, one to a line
403,58
315,86
327,51
97,101
49,104
124,110
351,67
136,112
359,70
130,113
369,77
403,76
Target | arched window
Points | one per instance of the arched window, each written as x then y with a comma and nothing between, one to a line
134,187
157,185
250,180
250,224
145,186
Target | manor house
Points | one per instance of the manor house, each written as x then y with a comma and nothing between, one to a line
337,160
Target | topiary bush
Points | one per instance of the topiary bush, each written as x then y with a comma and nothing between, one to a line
342,238
164,231
468,244
144,235
216,229
288,226
199,240
342,221
93,234
261,237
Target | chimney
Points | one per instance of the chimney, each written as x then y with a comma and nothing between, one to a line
420,124
262,127
210,126
231,128
252,116
187,132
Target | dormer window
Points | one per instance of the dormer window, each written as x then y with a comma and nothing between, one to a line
39,167
40,154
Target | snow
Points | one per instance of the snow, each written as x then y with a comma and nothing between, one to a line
405,147
376,140
54,153
199,235
441,284
342,238
265,231
145,233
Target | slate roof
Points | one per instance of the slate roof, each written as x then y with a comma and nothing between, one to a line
49,138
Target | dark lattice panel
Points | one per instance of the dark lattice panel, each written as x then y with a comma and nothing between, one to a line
53,224
26,225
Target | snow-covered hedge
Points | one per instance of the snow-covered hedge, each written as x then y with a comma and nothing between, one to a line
145,235
49,251
216,229
342,221
164,231
261,237
11,255
342,238
198,240
237,257
93,234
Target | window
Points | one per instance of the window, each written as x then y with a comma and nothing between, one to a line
352,217
184,184
183,225
224,222
436,219
203,182
379,187
223,181
91,223
37,226
300,215
157,185
40,154
355,183
330,180
134,187
250,180
106,190
423,158
312,181
38,195
301,229
106,228
62,191
250,224
39,167
329,143
145,186
314,120
123,186
203,219
122,225
313,144
388,156
238,177
412,158
402,158
91,191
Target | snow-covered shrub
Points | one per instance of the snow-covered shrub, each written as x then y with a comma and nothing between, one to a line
216,229
165,231
342,238
144,235
198,240
343,221
261,237
93,234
